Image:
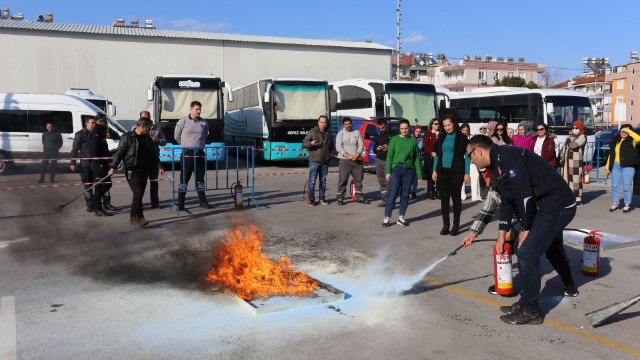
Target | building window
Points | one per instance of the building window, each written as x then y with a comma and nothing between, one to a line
510,74
631,102
620,100
481,75
496,75
632,87
521,75
404,71
620,84
633,71
630,117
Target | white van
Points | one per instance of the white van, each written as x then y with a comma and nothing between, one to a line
23,118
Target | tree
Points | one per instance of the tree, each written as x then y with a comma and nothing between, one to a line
531,85
549,78
513,81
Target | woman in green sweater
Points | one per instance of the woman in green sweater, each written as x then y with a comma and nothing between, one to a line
403,165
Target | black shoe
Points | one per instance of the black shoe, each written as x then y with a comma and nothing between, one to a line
323,201
109,207
181,206
571,290
626,209
614,208
361,200
579,204
413,196
340,201
89,210
101,213
205,205
454,230
52,181
445,230
402,222
492,290
523,316
154,207
312,202
433,195
517,306
41,181
386,223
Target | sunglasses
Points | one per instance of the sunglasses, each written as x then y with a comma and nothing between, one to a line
500,129
541,129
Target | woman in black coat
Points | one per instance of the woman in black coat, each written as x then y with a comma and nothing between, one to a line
451,170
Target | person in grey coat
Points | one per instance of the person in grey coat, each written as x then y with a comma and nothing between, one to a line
158,140
320,145
350,146
51,143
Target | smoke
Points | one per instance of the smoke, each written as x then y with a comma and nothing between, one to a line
389,280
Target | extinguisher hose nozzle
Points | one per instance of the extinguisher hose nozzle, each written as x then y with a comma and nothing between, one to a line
454,252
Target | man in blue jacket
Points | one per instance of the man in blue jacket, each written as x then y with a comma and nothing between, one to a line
546,205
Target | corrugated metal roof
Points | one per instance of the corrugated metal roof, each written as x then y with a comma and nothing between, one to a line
141,31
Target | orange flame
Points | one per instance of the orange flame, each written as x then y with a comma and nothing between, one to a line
240,266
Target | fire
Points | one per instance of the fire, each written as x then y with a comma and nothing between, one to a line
240,266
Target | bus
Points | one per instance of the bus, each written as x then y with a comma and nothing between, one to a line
363,99
275,114
554,107
169,98
101,102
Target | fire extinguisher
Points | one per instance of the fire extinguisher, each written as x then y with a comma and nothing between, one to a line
502,273
236,193
591,254
353,190
586,178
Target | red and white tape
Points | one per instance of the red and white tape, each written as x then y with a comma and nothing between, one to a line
68,185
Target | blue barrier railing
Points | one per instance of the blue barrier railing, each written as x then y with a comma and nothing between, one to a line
225,177
595,155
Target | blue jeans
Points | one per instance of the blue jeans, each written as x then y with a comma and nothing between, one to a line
315,169
401,177
625,176
546,230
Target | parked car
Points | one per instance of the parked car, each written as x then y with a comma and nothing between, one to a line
369,131
604,138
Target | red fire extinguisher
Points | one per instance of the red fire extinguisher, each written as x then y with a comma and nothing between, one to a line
237,194
353,190
591,254
502,273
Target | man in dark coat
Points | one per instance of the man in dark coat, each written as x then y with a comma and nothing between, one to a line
51,143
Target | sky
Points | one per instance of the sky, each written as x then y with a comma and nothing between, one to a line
557,33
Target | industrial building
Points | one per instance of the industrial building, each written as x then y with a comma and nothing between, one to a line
120,61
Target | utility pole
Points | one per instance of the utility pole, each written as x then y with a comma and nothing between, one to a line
398,47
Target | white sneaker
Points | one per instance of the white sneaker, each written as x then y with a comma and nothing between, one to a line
613,208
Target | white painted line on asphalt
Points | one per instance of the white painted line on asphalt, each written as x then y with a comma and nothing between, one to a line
5,243
8,348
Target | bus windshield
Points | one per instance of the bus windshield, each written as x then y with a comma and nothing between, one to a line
300,101
101,104
567,109
177,95
413,102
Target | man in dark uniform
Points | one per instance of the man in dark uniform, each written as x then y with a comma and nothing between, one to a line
545,205
140,157
381,146
158,140
81,149
98,148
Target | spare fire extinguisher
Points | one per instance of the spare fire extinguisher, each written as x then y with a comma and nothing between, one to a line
502,273
236,193
591,254
586,178
353,190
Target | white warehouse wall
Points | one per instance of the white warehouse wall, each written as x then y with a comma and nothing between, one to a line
121,67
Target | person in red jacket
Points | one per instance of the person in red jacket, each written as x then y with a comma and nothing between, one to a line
544,144
428,147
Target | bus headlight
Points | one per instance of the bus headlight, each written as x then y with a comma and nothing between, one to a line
280,148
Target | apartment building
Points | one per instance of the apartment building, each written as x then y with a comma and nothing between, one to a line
623,100
474,73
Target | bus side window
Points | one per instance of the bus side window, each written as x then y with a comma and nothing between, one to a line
370,131
333,99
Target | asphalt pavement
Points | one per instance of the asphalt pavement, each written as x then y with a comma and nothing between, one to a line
74,286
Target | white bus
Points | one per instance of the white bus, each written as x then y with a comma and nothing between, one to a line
556,108
23,118
275,114
101,102
363,99
169,98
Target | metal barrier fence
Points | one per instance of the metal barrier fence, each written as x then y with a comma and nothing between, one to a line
595,155
224,176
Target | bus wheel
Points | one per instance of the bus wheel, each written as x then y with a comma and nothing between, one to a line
4,166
